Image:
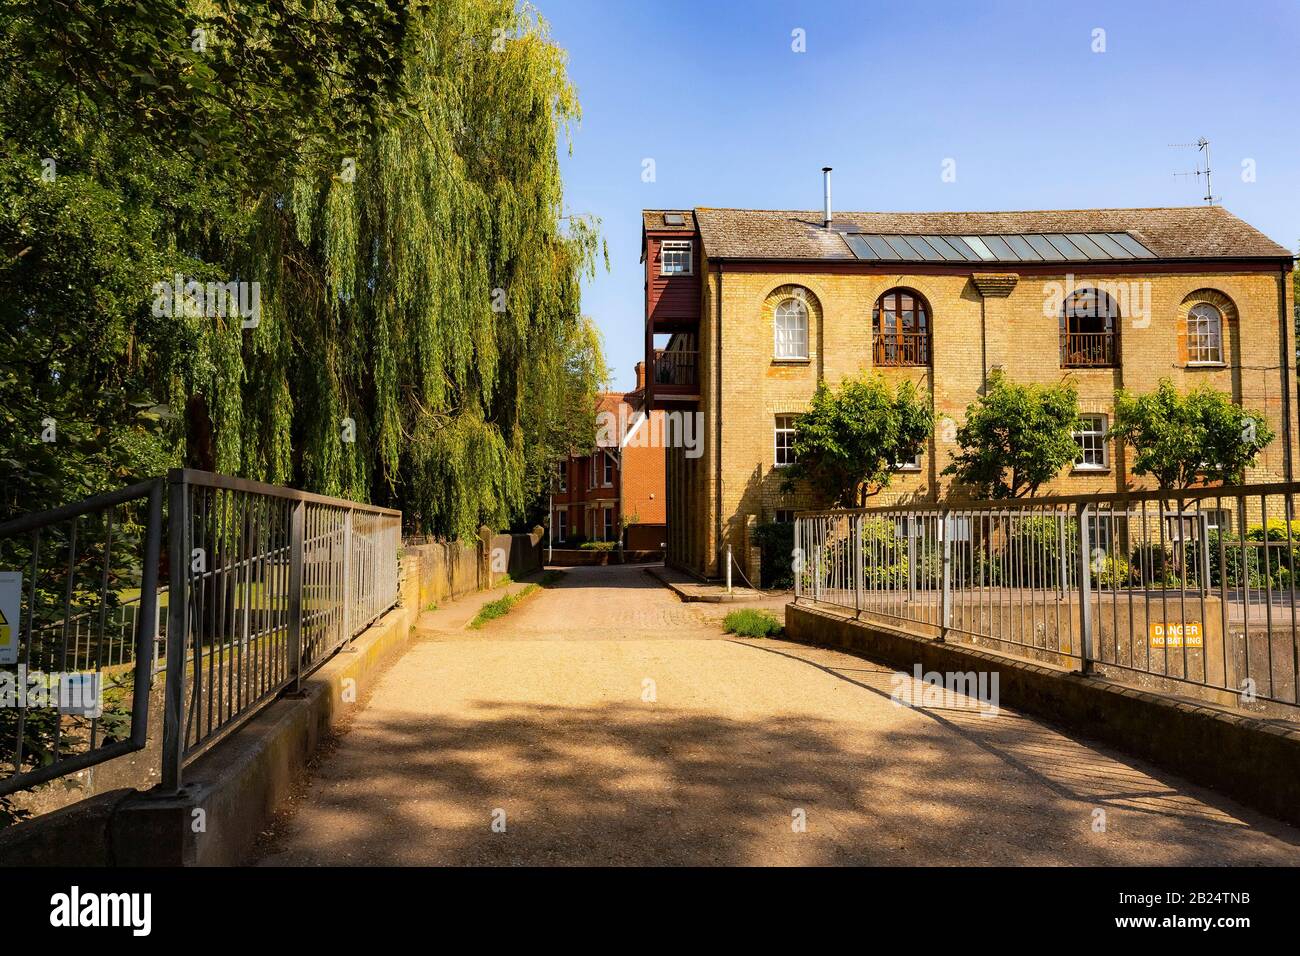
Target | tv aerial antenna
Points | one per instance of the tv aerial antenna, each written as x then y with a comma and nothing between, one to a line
1203,146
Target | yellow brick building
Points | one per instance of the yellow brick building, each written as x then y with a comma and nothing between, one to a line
747,310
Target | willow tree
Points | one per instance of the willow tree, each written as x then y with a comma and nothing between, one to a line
419,340
441,276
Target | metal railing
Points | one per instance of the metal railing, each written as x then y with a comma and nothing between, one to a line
263,585
79,609
113,646
901,349
1088,349
675,367
266,584
1167,590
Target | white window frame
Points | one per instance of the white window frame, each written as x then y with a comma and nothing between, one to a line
787,512
562,524
1213,522
677,252
607,471
1081,435
607,523
790,344
909,464
784,425
564,477
1197,337
1187,525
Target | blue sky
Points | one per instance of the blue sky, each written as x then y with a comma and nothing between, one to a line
886,92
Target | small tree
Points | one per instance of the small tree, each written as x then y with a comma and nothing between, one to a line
1180,438
1016,437
850,440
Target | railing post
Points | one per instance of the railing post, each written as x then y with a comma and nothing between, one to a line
946,610
797,558
1204,541
348,600
146,617
1085,591
859,559
910,524
178,629
296,520
817,566
1063,577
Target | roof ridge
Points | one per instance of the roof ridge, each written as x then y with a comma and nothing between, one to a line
949,212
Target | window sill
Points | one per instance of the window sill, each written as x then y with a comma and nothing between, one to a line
907,471
1207,365
791,361
1092,470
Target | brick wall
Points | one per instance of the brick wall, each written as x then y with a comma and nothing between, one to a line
972,332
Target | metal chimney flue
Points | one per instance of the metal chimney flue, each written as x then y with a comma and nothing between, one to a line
826,198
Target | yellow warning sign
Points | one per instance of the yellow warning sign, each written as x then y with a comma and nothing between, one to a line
1176,635
11,592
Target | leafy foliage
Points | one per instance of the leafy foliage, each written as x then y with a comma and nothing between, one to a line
244,86
776,549
1015,437
387,173
1181,438
851,438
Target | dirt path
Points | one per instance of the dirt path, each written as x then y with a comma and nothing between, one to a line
604,722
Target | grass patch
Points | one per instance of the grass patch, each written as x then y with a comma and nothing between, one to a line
751,623
500,607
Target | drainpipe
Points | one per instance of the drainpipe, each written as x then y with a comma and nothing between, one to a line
1288,357
717,451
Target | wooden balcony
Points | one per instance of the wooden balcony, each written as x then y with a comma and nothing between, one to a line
674,376
901,349
675,368
1088,349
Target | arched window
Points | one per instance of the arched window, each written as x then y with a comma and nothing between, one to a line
900,329
1089,330
791,329
1204,335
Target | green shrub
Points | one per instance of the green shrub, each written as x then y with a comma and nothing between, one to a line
1033,550
751,623
1113,571
597,546
1154,565
776,547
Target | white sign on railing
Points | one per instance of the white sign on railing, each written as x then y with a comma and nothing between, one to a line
11,599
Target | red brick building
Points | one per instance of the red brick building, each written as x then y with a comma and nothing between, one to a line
617,492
